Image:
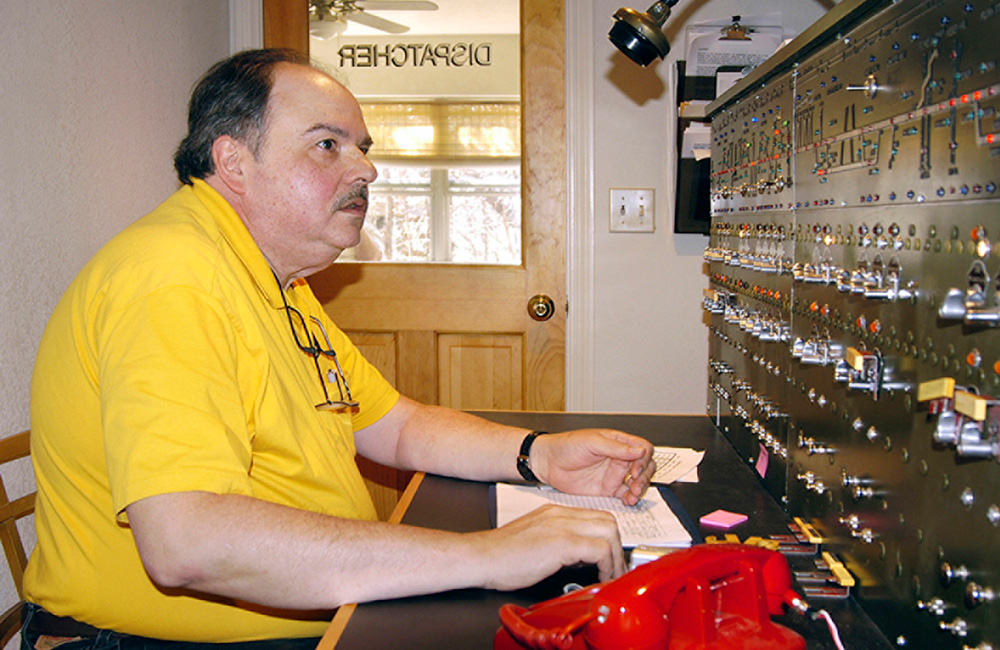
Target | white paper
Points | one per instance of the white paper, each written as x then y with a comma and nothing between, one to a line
650,522
706,51
726,80
676,464
694,108
697,139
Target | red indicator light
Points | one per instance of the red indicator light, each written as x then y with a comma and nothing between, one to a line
965,99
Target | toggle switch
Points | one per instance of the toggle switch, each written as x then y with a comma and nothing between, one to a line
632,210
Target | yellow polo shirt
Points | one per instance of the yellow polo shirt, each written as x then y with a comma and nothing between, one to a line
169,366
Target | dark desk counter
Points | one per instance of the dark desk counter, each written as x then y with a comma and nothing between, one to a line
468,618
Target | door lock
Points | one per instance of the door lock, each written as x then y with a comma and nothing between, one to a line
541,307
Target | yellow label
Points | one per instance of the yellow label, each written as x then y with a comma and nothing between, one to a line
969,405
839,571
855,359
936,389
811,533
771,544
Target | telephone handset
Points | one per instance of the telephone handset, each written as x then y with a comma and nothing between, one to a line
711,597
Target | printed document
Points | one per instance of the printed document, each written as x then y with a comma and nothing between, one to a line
650,522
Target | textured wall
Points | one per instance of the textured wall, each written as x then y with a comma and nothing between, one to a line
92,104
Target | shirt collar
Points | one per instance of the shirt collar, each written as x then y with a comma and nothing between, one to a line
235,232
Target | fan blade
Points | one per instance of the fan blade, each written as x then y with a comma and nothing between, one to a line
399,5
365,18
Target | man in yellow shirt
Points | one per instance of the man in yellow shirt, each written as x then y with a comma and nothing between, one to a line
195,414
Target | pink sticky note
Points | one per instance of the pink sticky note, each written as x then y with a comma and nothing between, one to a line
722,519
761,465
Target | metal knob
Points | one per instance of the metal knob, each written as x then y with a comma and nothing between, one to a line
541,307
953,305
976,594
950,574
870,87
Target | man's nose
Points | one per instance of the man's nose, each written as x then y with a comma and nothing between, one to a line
364,169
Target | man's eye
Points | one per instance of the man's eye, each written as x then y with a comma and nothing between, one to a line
327,144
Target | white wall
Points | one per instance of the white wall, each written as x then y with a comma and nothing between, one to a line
93,101
650,344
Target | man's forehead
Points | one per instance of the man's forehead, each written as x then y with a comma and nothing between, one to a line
313,97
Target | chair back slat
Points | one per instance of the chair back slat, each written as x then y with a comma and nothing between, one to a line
13,448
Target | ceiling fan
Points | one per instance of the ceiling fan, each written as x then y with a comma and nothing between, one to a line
328,18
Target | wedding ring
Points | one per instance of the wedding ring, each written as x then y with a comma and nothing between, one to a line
628,478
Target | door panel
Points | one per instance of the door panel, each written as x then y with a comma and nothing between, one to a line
481,372
379,348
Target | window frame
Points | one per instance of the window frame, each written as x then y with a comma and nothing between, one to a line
440,190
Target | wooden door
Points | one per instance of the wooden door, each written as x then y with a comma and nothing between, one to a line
459,335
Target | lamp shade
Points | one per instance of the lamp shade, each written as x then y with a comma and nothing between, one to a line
327,29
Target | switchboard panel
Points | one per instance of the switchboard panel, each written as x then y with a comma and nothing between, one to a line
853,301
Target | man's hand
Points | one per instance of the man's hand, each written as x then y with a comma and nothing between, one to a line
543,541
600,462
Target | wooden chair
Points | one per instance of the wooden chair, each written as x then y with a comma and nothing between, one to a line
12,448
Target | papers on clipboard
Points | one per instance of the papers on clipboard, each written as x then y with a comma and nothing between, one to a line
715,49
650,522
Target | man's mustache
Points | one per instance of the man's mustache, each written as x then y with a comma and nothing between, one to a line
354,195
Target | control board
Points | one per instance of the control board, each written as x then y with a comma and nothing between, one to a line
853,302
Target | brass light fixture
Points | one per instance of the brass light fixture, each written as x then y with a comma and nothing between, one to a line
640,35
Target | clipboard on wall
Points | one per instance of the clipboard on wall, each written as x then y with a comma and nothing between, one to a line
728,49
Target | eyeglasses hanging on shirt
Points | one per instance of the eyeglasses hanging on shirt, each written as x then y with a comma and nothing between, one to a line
312,347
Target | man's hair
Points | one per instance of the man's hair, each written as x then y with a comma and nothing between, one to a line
231,99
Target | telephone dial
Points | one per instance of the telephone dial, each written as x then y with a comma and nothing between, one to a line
707,597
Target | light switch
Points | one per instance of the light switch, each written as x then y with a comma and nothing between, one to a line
632,210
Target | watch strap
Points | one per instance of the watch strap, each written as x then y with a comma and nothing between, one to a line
524,457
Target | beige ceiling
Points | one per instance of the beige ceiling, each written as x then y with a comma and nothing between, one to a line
452,17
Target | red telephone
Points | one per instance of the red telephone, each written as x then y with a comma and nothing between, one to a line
708,597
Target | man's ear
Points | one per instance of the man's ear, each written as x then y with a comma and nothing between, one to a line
230,156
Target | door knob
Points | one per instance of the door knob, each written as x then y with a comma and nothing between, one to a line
541,307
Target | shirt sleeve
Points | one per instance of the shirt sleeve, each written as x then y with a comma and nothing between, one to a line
171,393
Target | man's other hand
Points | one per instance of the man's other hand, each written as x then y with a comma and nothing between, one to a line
543,541
595,462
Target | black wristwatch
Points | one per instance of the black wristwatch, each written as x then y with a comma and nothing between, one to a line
523,458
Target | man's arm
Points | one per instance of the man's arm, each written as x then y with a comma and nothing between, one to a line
452,443
244,548
252,550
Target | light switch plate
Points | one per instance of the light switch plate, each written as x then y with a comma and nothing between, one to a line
632,210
